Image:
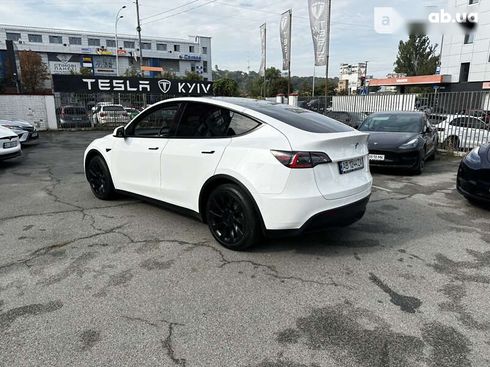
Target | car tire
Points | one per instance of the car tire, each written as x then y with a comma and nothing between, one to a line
100,179
432,157
232,218
419,168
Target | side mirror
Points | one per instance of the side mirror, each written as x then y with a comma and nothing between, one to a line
119,132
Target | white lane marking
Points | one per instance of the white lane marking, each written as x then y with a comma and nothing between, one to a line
382,188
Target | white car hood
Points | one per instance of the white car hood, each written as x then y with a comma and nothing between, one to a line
6,133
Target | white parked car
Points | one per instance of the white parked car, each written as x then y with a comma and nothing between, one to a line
110,114
245,167
463,132
9,144
24,129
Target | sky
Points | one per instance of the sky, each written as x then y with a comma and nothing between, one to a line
234,27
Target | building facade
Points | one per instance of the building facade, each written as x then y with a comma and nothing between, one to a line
75,52
353,76
465,56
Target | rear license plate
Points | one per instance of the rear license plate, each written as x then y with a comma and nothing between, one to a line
77,119
376,157
9,144
351,165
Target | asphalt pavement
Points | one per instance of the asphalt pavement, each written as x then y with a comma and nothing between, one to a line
85,282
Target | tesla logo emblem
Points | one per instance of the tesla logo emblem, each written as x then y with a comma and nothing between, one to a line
164,85
317,8
356,146
375,143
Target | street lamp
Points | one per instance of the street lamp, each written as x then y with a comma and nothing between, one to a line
117,46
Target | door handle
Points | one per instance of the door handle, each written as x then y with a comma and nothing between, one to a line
155,148
208,152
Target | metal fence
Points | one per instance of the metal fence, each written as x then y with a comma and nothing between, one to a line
461,118
97,110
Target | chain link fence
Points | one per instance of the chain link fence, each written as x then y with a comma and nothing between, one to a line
462,119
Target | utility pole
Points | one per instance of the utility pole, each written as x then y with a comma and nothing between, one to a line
328,52
289,51
138,28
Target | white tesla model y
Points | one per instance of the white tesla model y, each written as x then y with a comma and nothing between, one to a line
245,167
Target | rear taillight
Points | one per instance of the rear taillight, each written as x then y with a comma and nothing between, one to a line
301,159
103,114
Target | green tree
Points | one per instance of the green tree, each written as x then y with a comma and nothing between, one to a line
226,87
192,75
131,72
168,75
416,56
33,71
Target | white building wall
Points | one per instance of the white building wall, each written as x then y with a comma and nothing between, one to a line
455,52
38,110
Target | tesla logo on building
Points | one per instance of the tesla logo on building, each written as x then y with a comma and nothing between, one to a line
164,85
117,85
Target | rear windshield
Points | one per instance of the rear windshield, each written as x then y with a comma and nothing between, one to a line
300,118
75,111
113,108
393,123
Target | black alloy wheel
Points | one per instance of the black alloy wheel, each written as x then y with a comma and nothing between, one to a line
419,168
231,217
100,179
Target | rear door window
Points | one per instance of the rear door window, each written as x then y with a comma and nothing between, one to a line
204,120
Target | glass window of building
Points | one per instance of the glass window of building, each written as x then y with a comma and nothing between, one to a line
161,46
177,48
145,45
128,44
75,40
110,43
55,39
205,50
204,66
94,42
191,48
35,38
13,36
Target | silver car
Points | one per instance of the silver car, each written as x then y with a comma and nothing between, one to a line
24,130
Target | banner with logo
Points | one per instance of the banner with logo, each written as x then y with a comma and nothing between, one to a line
319,24
63,63
285,33
110,84
263,45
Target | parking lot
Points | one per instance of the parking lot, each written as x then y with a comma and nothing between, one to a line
126,283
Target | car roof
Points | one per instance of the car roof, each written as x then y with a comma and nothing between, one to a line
421,113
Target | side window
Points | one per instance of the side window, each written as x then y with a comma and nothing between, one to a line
459,122
204,120
157,123
476,124
241,124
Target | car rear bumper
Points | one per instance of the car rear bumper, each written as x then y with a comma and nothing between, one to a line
337,217
292,213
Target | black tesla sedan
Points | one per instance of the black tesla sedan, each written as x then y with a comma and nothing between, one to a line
400,139
473,179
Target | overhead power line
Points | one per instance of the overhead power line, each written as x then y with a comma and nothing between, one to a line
180,12
170,10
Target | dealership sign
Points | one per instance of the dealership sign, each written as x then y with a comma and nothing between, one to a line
108,84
